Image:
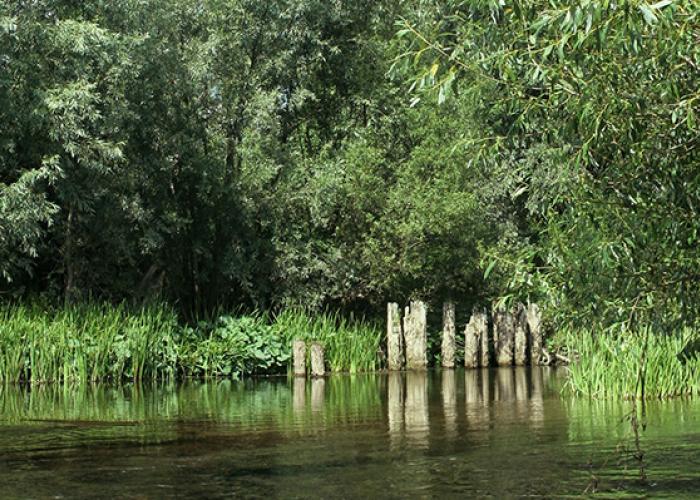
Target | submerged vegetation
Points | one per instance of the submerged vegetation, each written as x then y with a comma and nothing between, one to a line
97,342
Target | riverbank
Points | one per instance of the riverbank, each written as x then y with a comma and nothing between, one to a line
92,342
98,342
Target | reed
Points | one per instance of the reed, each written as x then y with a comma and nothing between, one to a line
87,342
351,345
641,364
95,342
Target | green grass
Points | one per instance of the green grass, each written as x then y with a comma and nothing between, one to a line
94,342
85,343
350,345
634,365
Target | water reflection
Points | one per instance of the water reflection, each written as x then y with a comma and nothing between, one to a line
443,433
416,415
449,402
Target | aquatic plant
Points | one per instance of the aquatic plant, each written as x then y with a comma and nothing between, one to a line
92,342
231,346
351,345
86,342
641,364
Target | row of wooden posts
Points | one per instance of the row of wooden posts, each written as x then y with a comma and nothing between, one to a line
515,337
318,366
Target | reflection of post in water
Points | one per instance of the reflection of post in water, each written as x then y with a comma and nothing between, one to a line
486,387
299,395
449,402
505,387
476,396
536,396
472,390
416,410
395,403
521,392
318,393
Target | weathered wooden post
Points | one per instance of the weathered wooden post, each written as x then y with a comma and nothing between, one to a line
299,355
476,334
318,367
534,324
482,325
448,335
503,336
415,336
394,344
520,355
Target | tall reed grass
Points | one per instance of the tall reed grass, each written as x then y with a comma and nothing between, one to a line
641,364
86,343
94,342
350,345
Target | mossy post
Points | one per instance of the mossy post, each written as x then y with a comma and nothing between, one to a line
503,336
520,318
534,325
394,344
448,335
476,336
318,366
299,356
415,336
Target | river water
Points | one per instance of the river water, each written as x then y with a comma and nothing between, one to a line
499,433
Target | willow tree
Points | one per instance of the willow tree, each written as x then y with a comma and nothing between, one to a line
593,105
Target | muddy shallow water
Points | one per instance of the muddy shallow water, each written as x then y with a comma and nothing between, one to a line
500,433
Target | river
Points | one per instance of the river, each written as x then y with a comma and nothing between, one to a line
500,433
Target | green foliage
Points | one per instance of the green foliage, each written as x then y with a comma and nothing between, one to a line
637,364
232,347
350,345
96,342
86,343
594,104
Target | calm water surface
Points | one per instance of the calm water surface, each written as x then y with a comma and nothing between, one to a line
499,433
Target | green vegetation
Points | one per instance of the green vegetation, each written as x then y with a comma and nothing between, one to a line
86,343
640,364
238,155
90,342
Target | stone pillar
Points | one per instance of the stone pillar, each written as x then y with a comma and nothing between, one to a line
503,336
448,335
476,334
394,344
299,356
520,355
534,324
318,367
416,336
